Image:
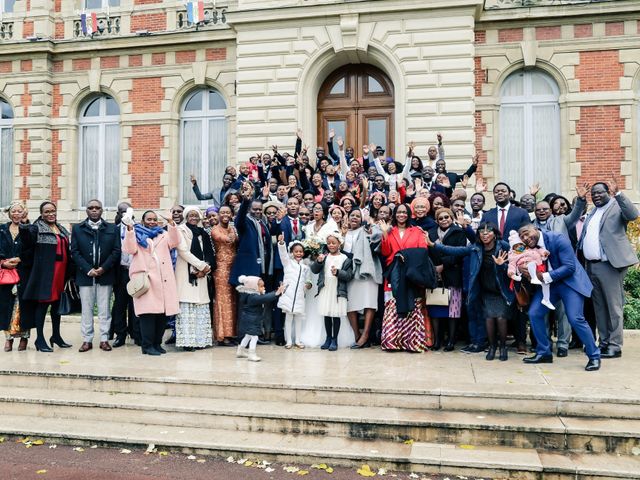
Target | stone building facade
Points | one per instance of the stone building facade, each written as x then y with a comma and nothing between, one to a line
542,90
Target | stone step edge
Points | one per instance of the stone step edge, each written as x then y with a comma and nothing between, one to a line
274,410
436,392
413,461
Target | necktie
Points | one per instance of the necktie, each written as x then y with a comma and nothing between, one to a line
295,227
503,218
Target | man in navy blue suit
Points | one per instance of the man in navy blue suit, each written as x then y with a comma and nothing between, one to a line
568,282
505,215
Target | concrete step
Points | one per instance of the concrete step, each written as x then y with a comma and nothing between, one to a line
542,432
451,459
481,399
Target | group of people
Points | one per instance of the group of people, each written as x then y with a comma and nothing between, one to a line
338,250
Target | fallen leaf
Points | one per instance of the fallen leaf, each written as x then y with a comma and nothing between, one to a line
38,442
231,459
1,439
163,453
191,457
241,461
78,449
40,472
269,469
365,471
125,451
462,478
93,447
53,446
151,448
413,475
382,472
329,470
409,442
201,460
467,447
64,362
303,472
290,469
248,463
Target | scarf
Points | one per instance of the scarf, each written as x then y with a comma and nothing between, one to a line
202,251
258,226
143,234
441,234
46,235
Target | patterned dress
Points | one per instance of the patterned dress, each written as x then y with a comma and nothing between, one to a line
225,241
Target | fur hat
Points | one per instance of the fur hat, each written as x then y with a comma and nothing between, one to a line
335,234
514,238
249,282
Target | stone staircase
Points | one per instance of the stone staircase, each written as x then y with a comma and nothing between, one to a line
466,431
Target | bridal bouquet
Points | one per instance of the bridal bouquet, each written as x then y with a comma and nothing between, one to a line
312,247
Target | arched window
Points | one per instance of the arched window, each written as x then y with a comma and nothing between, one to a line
6,152
203,140
530,131
99,165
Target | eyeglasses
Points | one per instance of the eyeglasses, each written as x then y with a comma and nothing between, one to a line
444,217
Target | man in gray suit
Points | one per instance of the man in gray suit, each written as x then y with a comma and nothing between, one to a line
608,254
217,194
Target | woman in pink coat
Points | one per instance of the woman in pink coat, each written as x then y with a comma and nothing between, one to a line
151,247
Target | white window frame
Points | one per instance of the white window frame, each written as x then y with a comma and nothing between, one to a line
104,6
101,121
527,101
204,116
7,124
3,4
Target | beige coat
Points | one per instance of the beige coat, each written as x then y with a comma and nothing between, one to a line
198,294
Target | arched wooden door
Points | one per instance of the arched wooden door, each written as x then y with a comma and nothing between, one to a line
357,102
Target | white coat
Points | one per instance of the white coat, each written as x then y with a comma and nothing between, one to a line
198,294
295,276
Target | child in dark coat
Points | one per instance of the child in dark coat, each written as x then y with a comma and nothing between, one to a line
251,301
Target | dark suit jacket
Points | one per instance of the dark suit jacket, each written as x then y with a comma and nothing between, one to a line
565,268
516,217
247,261
106,240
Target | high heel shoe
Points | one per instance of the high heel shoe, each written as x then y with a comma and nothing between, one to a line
59,342
491,354
449,347
43,347
22,346
504,356
8,345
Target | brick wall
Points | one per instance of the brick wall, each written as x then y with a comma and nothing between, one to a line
56,169
147,94
59,31
614,28
154,22
216,54
135,60
80,64
56,101
26,65
110,62
599,70
510,35
27,29
6,67
600,152
25,168
583,30
186,56
158,58
145,168
548,33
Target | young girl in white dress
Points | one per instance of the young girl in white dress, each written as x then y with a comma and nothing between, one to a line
334,270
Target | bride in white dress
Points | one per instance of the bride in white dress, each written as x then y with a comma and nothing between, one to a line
313,331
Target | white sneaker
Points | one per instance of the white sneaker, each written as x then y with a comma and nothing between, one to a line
517,278
241,352
253,357
548,304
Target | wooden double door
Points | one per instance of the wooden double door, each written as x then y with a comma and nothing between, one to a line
357,102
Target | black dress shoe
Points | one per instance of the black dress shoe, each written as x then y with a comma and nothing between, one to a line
562,352
469,348
538,359
151,351
119,342
43,347
159,348
59,342
491,354
574,344
593,365
280,343
449,347
171,340
611,353
264,342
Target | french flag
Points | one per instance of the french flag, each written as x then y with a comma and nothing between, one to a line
190,18
83,23
200,11
94,22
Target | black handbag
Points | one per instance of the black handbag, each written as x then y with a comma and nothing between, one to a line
69,299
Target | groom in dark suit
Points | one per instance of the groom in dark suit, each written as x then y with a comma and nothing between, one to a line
568,282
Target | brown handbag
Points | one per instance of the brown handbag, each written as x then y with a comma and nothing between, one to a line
523,298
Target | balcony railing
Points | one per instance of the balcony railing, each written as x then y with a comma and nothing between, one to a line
6,30
212,17
107,26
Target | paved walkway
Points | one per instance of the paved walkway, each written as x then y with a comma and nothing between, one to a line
357,369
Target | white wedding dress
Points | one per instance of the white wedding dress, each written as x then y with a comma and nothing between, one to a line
313,331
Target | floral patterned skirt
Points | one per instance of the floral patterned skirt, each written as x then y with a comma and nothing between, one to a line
14,330
193,326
